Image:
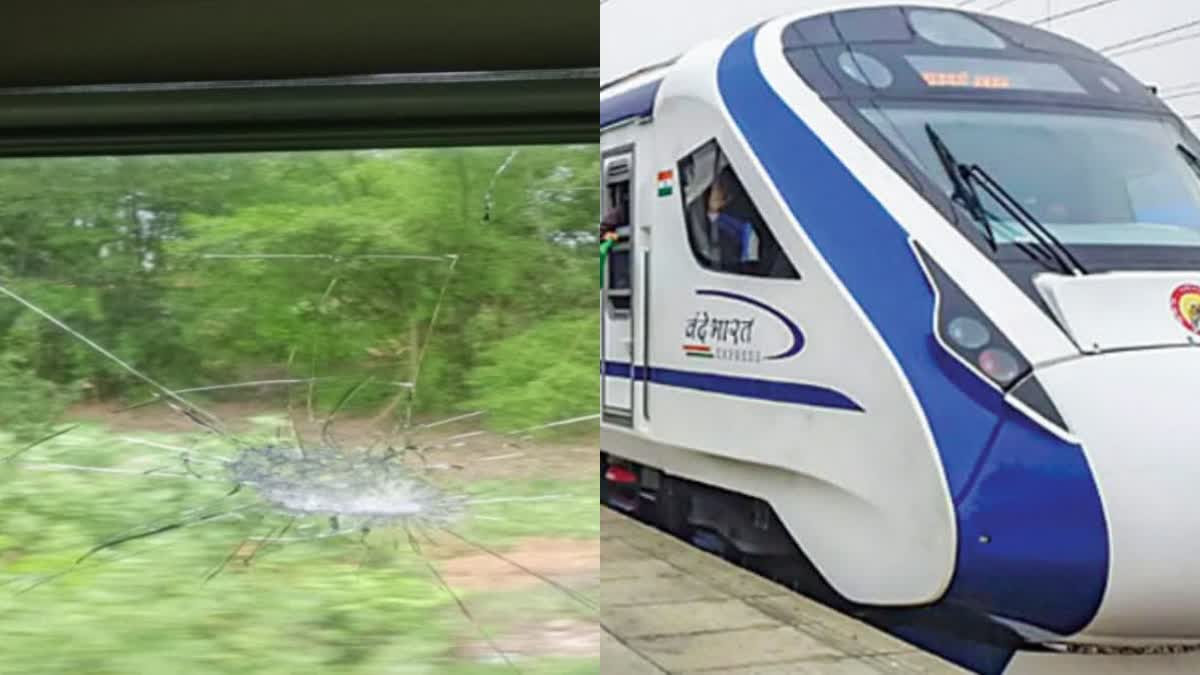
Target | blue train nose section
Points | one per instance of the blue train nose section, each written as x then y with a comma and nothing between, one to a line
1033,544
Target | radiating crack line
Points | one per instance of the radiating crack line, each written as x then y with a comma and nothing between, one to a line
188,405
462,607
570,592
41,441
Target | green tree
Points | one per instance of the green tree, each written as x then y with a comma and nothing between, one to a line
128,250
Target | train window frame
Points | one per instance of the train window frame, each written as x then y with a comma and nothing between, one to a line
708,253
620,295
617,195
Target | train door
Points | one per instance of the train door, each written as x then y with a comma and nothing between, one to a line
616,322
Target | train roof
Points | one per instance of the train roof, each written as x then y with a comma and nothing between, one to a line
865,23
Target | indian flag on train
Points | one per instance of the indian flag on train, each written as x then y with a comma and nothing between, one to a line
666,183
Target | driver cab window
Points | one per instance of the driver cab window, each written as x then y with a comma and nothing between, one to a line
616,206
725,230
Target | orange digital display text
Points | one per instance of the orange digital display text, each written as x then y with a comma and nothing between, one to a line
966,79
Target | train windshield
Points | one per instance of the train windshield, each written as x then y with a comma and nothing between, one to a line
1092,180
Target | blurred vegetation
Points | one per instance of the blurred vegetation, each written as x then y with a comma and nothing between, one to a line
121,249
27,402
128,252
330,606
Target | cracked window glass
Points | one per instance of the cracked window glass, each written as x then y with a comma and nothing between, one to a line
299,412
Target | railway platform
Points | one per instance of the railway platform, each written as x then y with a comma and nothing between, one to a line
667,607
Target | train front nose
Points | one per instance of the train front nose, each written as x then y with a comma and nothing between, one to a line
1137,415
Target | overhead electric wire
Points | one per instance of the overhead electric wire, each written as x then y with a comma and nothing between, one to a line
1183,93
1156,45
1073,11
1134,45
1180,87
998,5
1139,40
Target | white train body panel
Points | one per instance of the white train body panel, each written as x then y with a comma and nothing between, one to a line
1056,505
1145,472
900,512
1121,310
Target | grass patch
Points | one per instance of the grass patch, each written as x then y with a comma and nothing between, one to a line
330,606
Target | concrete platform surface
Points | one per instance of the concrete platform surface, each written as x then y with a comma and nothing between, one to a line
667,607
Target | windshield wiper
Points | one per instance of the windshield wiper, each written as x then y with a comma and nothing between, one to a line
964,190
1189,157
1045,237
1048,248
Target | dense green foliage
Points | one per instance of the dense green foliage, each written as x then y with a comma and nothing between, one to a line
331,606
27,402
205,271
121,250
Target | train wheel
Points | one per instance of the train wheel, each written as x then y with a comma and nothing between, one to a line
673,505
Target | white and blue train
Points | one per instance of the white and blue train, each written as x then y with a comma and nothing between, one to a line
905,309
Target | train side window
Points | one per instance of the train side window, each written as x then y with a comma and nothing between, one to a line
725,230
616,200
617,216
619,295
618,270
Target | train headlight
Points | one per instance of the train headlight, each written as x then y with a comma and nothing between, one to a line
968,333
1000,365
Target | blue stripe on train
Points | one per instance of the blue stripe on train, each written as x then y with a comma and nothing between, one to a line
742,387
1026,493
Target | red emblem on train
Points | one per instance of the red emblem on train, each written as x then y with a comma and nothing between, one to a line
1185,302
